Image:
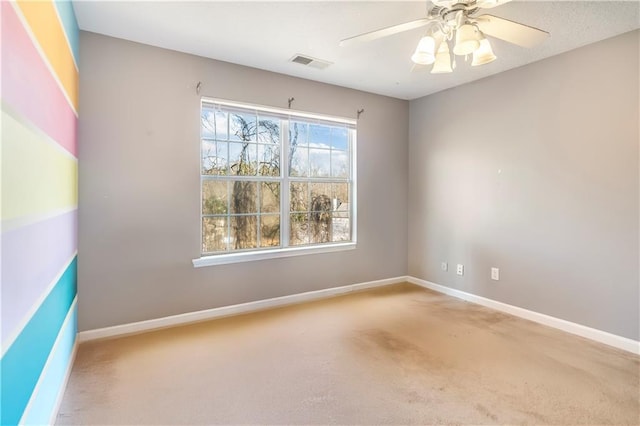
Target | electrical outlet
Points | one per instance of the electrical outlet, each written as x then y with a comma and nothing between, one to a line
444,266
460,269
495,274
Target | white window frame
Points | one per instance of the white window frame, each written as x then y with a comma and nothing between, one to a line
284,250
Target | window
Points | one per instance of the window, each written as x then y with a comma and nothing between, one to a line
273,180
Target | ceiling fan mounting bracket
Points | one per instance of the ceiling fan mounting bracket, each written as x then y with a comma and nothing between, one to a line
450,18
455,4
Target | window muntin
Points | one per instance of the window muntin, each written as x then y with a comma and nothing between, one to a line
252,201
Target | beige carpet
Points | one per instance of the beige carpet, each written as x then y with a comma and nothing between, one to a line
395,355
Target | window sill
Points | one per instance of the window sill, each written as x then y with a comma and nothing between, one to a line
223,259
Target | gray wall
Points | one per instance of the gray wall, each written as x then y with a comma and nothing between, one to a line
139,185
535,171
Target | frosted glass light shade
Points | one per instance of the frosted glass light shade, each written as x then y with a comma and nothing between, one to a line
443,60
484,54
467,40
425,52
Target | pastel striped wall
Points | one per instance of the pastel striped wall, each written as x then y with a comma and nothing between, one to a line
38,169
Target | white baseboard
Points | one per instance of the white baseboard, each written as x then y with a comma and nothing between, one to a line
614,340
225,311
67,376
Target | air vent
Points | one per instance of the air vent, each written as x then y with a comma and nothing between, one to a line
310,62
298,59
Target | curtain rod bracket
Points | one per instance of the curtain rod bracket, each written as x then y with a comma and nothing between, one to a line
360,111
291,99
198,86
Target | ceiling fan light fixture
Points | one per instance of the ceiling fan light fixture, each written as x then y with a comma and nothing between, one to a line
484,54
443,60
425,52
467,39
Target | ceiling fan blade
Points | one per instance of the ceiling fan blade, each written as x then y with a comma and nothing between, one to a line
490,4
513,32
384,32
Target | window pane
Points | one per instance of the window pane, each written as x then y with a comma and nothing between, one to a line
340,138
268,160
244,232
242,126
299,197
268,129
299,161
341,227
299,229
319,136
214,158
339,164
298,134
222,125
243,158
270,197
214,197
340,193
214,124
320,222
214,234
320,217
207,123
269,231
319,162
320,196
244,197
341,223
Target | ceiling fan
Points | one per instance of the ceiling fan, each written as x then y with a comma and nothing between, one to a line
457,22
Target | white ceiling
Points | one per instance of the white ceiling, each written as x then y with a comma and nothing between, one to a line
266,34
